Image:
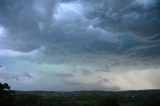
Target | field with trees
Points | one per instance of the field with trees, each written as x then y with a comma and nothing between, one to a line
78,98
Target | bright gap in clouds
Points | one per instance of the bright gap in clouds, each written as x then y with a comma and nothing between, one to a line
68,10
2,31
145,2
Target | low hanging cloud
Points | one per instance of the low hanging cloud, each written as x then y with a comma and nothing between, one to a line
12,77
64,75
91,86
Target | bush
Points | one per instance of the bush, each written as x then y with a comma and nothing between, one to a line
110,101
6,95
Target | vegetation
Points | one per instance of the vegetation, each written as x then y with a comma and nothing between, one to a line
6,95
84,98
127,98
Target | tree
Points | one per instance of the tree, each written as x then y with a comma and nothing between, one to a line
6,95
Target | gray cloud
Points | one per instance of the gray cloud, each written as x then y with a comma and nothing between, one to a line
32,25
64,75
86,72
105,69
11,76
128,16
83,71
137,19
91,86
84,33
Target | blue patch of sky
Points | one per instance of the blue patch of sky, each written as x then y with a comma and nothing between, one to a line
129,41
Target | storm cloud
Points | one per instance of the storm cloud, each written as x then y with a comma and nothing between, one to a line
80,40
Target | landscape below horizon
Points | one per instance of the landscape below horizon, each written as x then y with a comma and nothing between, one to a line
79,98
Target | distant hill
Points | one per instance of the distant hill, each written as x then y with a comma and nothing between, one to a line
133,93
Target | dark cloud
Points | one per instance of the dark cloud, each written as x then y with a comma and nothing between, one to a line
31,25
86,72
139,20
91,86
105,69
64,75
127,16
84,33
104,80
27,75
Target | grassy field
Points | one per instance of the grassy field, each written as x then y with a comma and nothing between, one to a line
130,98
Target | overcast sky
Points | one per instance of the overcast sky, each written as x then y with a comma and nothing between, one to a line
69,45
